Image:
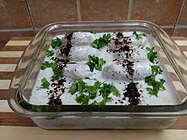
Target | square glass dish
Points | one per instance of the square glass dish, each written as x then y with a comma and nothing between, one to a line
96,116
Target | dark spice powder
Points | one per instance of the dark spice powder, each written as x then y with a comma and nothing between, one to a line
54,100
66,49
58,90
131,91
123,45
129,65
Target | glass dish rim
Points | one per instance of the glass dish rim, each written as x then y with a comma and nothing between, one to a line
143,110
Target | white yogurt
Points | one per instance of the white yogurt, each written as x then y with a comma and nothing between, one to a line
81,42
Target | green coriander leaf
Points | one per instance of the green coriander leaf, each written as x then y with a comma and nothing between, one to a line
82,99
105,90
72,62
45,84
81,85
58,73
93,32
34,59
115,91
46,64
56,43
102,41
138,36
98,65
150,80
97,85
162,81
105,100
95,62
152,91
87,77
156,85
95,103
149,49
151,55
73,88
87,92
156,70
49,53
92,92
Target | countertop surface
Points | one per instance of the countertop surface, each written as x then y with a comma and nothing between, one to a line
14,127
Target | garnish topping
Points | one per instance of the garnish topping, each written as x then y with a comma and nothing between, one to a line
45,84
156,85
87,92
95,62
49,53
156,70
102,41
93,32
56,43
138,36
46,64
151,55
55,67
58,73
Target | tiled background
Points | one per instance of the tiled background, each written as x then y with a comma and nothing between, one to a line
26,17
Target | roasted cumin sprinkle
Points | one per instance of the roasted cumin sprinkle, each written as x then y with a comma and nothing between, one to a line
131,91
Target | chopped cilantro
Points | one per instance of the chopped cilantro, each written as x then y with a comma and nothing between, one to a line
141,46
82,99
57,71
54,66
73,88
115,91
151,55
45,65
56,43
156,70
34,59
95,62
87,77
72,62
102,41
105,100
80,85
93,32
87,92
45,84
138,36
105,91
156,85
49,53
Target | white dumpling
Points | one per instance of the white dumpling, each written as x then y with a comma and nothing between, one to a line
139,42
79,53
117,71
82,38
77,71
137,54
